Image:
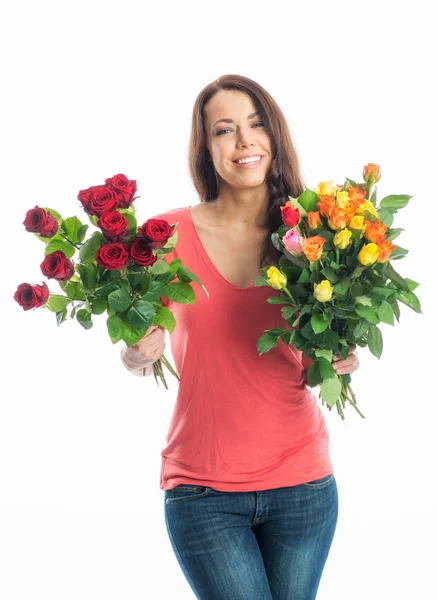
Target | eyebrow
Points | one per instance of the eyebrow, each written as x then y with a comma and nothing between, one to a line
231,120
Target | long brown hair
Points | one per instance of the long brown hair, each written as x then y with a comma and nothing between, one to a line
284,177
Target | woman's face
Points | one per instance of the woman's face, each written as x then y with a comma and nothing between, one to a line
236,136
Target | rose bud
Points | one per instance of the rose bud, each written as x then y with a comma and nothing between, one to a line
124,188
156,232
114,225
31,296
371,173
57,266
141,253
98,199
113,256
41,221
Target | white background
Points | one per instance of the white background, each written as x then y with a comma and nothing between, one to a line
91,89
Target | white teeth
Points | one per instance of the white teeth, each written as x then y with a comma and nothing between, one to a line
249,160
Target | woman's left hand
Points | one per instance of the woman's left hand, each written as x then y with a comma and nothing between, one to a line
348,365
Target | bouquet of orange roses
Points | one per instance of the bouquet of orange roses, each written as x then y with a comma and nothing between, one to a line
119,270
336,277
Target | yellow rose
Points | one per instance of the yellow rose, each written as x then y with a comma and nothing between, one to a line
276,279
368,254
342,239
325,188
357,222
342,199
322,291
367,205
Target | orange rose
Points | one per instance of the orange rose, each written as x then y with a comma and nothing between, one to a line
312,247
356,194
314,219
385,250
371,173
375,232
326,204
338,218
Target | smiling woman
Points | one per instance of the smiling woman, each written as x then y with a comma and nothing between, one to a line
247,445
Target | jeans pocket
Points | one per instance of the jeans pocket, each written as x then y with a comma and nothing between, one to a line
322,482
186,492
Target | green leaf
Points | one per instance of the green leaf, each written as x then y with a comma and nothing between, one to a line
81,232
309,200
131,334
410,299
73,288
98,306
72,226
313,374
60,244
398,252
367,313
119,300
411,284
88,274
331,390
394,201
61,316
375,340
330,274
392,274
327,354
84,318
279,300
165,318
304,276
288,312
326,369
141,314
296,204
155,290
365,300
87,253
57,303
386,313
319,322
342,286
180,292
386,216
115,328
159,267
391,234
266,342
54,213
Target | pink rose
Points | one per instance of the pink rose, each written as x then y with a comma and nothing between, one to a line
293,242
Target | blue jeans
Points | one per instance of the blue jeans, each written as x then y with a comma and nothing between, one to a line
261,545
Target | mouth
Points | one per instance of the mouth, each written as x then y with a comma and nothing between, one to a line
253,164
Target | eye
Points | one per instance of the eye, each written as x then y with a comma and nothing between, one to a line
220,132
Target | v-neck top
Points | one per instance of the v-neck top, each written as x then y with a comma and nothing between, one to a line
241,421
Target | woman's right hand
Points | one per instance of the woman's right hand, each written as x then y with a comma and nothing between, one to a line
147,350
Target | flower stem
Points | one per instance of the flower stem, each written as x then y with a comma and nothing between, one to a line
69,241
289,294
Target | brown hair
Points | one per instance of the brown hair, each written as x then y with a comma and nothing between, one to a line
284,176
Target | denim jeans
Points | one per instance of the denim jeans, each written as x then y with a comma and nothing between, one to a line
262,545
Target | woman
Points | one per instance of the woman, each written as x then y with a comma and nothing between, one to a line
251,500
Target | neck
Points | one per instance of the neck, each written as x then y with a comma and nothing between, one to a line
241,208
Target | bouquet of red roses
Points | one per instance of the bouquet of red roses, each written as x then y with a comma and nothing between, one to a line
119,270
336,277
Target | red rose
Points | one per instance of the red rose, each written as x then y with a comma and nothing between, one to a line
97,199
31,296
112,256
114,225
40,221
141,252
290,216
156,232
125,189
57,266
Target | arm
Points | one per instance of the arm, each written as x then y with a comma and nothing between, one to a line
135,362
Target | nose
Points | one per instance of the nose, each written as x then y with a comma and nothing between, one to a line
243,138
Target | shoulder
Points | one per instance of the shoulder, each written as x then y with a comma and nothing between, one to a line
172,216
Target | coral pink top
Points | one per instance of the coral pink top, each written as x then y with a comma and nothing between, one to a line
242,421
